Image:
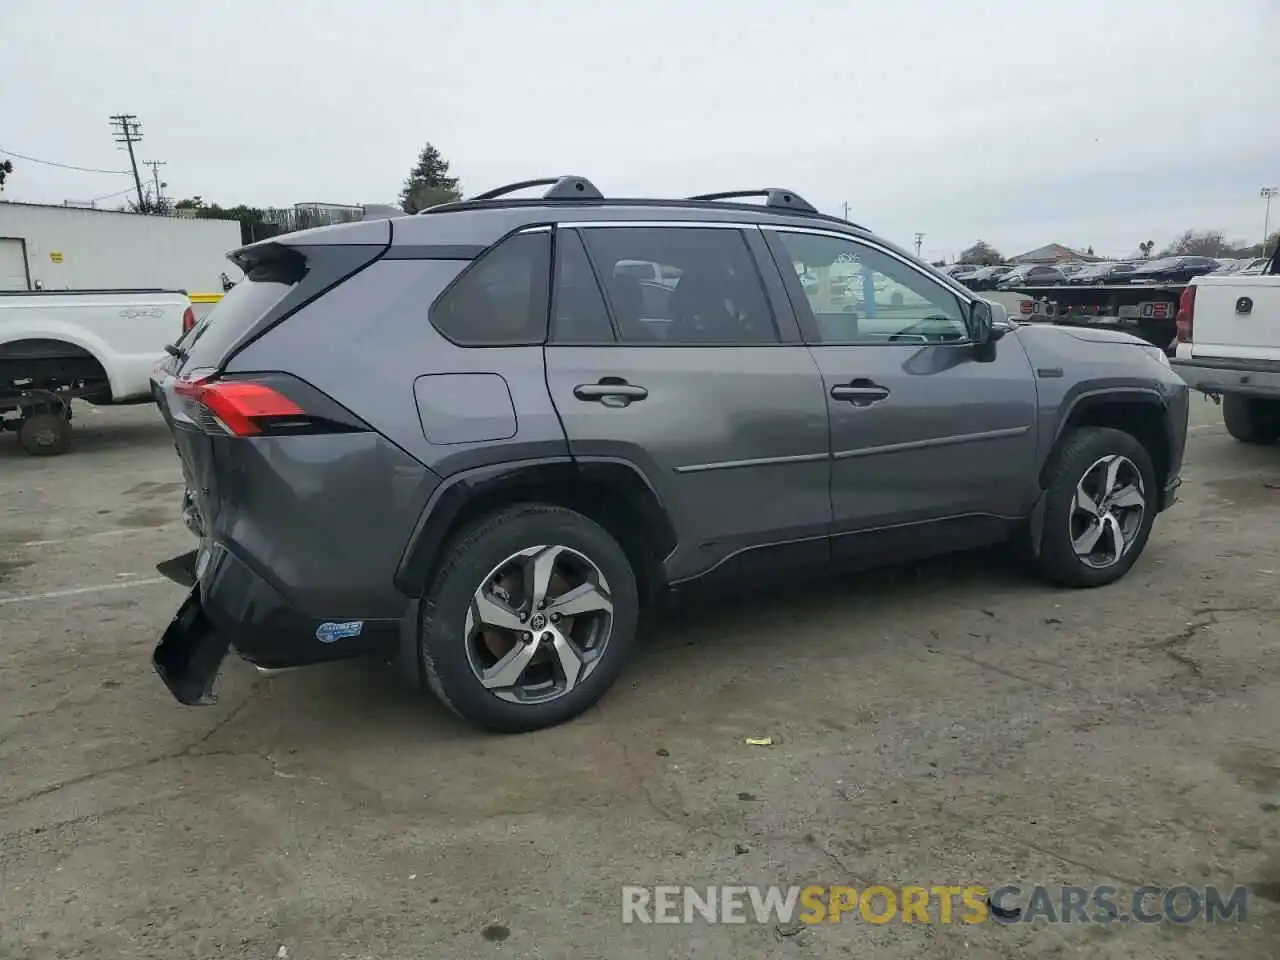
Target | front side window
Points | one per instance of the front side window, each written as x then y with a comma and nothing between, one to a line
501,299
681,285
858,295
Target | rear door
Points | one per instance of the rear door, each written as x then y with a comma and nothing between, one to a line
933,440
701,382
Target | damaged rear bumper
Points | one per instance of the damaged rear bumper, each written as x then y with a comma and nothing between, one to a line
230,606
190,652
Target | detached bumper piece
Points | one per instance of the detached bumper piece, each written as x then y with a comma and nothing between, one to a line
189,653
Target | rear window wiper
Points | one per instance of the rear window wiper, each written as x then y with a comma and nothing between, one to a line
175,351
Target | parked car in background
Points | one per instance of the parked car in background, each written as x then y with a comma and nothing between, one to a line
1031,275
958,268
1071,269
1109,271
1174,269
985,278
1253,267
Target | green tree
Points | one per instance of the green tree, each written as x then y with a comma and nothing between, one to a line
252,223
6,168
981,253
429,182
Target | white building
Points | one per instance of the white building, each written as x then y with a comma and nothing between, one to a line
71,248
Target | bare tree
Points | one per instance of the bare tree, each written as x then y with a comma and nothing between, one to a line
981,253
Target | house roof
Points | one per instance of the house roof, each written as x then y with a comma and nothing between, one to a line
1051,253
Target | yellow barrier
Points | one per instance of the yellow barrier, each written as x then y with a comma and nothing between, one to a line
205,297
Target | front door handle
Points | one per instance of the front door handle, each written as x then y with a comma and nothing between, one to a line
610,391
860,392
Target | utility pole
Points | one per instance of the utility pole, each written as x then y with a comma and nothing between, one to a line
129,131
1267,193
846,210
919,240
155,166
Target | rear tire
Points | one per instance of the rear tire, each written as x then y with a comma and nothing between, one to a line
1076,505
454,649
1250,419
45,434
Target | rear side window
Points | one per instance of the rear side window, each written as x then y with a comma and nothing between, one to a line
701,285
208,342
501,299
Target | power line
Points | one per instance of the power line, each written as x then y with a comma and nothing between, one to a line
129,131
62,166
92,202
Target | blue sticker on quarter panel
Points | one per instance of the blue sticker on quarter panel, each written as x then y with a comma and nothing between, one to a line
329,632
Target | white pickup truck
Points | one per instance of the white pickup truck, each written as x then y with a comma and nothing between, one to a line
98,345
1228,346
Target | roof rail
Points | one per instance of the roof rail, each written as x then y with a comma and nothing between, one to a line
776,197
562,188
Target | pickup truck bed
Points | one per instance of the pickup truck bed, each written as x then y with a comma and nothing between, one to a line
97,345
1229,348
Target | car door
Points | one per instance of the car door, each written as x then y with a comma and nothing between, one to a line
933,437
701,382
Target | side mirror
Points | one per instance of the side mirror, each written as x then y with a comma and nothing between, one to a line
981,325
988,322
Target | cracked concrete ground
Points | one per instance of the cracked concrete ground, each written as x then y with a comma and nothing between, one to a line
953,724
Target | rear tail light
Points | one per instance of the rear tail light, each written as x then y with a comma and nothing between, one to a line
1186,314
188,320
1027,307
241,407
273,404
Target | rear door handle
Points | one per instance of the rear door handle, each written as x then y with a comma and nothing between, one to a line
860,392
611,391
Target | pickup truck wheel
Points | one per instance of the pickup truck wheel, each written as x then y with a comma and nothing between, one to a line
1100,505
45,434
530,618
1250,419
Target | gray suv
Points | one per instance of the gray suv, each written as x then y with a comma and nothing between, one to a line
479,438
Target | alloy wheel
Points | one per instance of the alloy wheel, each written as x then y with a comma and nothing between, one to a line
1107,511
538,624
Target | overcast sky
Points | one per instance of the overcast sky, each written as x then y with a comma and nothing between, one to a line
1103,122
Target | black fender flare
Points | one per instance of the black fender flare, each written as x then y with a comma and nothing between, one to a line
1079,404
457,492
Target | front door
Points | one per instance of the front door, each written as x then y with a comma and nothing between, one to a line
685,373
933,438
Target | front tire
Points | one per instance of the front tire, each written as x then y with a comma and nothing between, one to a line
530,618
1100,505
1251,419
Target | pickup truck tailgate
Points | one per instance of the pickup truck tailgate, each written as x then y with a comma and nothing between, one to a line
1237,317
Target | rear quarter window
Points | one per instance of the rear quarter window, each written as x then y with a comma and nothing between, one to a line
503,298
